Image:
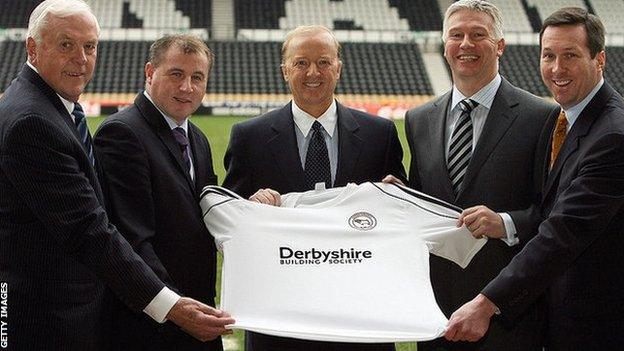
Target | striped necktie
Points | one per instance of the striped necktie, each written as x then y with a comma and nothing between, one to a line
460,146
81,125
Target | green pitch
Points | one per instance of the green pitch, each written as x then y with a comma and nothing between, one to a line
217,129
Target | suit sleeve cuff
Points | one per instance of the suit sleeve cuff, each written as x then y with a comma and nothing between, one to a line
161,304
510,229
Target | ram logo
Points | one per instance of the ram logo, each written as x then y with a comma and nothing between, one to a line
362,221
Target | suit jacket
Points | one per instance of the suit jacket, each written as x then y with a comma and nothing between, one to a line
263,153
58,250
155,204
504,175
577,254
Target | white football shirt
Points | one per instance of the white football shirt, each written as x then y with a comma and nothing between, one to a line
345,264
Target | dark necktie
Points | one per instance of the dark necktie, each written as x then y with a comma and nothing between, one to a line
180,136
83,131
317,161
460,146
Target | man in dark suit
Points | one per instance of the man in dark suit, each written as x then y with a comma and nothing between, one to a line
154,162
576,257
311,140
477,146
58,250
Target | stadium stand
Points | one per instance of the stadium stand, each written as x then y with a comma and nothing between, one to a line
258,14
611,12
110,13
129,19
546,7
366,14
614,69
199,12
253,67
383,44
520,65
119,56
14,14
12,57
383,68
246,67
533,15
159,14
422,15
514,17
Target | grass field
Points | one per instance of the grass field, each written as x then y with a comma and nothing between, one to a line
217,129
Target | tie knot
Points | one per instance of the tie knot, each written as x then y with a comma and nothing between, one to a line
78,113
468,105
180,136
317,126
562,119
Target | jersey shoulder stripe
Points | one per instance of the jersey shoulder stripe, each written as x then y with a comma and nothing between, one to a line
418,195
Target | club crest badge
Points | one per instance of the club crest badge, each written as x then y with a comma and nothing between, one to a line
362,221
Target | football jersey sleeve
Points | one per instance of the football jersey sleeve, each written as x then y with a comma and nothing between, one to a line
436,223
220,213
445,240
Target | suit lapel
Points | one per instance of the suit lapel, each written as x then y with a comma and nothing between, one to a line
283,146
437,143
546,145
160,127
199,164
579,130
349,145
503,113
64,120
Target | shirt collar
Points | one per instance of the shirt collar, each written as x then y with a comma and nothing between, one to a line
69,105
304,120
485,96
574,112
170,121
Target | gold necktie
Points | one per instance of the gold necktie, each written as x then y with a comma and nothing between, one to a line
559,135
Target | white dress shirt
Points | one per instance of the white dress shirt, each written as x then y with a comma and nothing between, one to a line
573,113
328,120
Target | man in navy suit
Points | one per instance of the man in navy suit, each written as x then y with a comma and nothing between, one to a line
58,250
154,163
576,257
277,152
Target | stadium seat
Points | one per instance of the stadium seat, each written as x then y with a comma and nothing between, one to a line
611,12
546,7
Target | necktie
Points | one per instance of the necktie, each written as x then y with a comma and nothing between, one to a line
83,131
559,134
460,146
317,160
180,136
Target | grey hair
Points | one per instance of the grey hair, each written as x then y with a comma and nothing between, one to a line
308,30
478,6
39,18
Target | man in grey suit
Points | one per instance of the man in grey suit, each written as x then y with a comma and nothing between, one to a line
475,145
576,257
